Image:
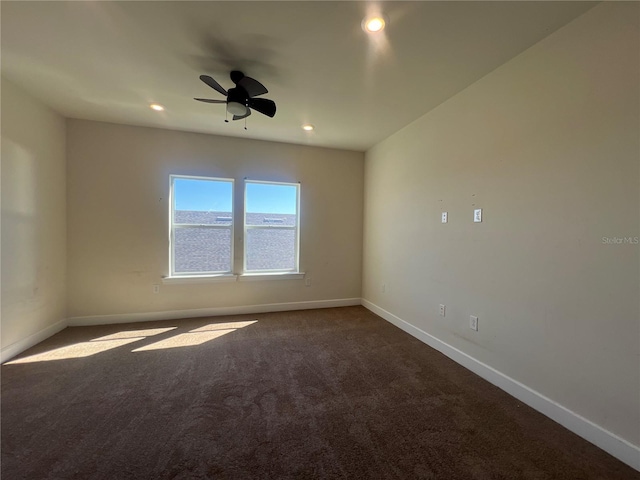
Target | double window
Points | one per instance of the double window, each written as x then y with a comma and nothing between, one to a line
203,227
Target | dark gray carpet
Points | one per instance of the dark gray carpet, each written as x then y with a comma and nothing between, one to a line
333,393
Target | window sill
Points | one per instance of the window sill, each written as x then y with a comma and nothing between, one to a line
229,277
226,277
255,277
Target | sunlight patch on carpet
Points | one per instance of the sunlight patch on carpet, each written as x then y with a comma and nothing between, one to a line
78,350
184,340
92,347
197,336
150,332
224,326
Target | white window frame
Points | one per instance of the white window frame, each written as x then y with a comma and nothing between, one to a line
173,227
296,228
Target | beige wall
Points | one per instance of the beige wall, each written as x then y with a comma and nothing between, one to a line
118,181
33,216
548,146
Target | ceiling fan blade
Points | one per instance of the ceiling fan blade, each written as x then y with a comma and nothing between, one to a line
240,117
263,105
252,86
208,100
213,84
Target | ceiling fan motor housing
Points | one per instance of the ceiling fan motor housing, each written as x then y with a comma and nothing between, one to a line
237,100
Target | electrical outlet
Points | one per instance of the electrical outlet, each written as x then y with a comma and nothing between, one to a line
445,217
477,215
307,282
442,310
156,288
473,323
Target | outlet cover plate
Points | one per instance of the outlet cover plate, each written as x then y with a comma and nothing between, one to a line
473,323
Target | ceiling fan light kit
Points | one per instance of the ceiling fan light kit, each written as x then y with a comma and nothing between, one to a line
236,108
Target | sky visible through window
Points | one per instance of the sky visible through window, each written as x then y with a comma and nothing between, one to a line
216,196
269,198
202,195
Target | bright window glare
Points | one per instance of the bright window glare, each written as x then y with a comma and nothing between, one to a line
202,195
270,198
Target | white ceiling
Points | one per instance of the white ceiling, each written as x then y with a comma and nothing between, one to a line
108,61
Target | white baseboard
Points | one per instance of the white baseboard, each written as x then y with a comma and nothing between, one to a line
209,312
10,351
585,428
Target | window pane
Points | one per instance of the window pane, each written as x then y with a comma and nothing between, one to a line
203,202
207,202
273,208
202,250
270,249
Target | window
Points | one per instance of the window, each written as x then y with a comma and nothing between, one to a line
202,230
201,225
271,224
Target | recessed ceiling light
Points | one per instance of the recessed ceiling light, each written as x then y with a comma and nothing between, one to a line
157,107
373,24
307,127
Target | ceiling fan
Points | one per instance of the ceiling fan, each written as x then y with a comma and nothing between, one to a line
241,99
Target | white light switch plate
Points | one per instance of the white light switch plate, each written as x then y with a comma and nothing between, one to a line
477,215
444,217
473,323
